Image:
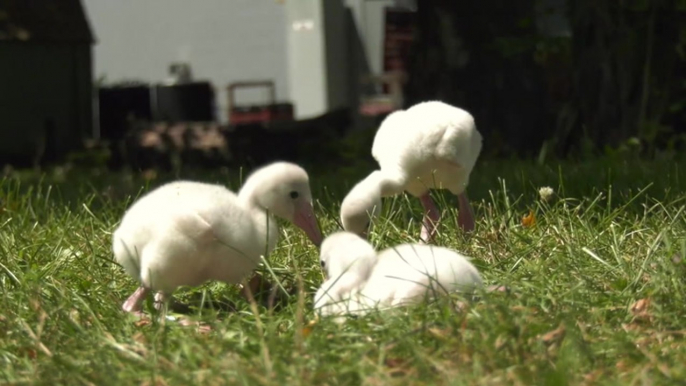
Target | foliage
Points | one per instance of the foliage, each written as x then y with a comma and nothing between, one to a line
625,63
616,74
596,296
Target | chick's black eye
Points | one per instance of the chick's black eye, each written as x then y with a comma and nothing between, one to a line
294,194
323,263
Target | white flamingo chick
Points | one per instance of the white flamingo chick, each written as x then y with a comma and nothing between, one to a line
409,273
397,276
431,145
187,233
347,261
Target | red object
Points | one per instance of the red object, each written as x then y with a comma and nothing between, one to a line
250,114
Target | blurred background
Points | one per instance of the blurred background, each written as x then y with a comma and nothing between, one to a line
166,84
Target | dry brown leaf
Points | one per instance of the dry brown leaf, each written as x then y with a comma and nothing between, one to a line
640,311
29,352
554,336
394,362
307,330
149,174
529,220
460,306
500,342
142,322
201,327
592,377
630,327
623,365
140,338
397,366
640,307
158,381
644,341
440,333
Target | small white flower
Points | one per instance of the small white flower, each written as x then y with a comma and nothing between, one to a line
546,193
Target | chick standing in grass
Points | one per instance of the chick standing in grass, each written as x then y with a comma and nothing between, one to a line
187,233
431,145
396,276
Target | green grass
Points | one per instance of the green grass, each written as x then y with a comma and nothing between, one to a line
613,236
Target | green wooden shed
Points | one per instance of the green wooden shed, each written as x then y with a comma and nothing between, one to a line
45,79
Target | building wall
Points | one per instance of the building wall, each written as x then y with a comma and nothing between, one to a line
369,19
232,40
43,86
223,40
306,57
318,37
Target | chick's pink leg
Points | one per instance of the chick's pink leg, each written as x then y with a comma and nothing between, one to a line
133,303
431,218
465,217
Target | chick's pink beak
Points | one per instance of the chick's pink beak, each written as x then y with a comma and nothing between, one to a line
306,220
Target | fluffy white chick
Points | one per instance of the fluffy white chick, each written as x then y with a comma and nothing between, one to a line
185,233
410,273
347,261
431,145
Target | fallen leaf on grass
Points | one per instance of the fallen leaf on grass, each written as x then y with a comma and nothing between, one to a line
592,377
554,336
142,322
676,259
529,220
629,327
140,338
623,365
440,333
493,236
460,306
644,341
307,330
29,352
394,362
500,341
396,366
158,381
640,311
201,327
640,306
149,174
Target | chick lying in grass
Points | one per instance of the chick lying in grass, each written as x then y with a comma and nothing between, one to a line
359,279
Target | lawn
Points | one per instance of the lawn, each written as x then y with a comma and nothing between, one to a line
597,288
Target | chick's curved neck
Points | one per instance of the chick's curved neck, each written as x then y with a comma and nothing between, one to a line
263,219
390,183
249,195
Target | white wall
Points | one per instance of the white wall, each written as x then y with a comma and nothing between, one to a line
318,59
224,41
369,18
306,56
